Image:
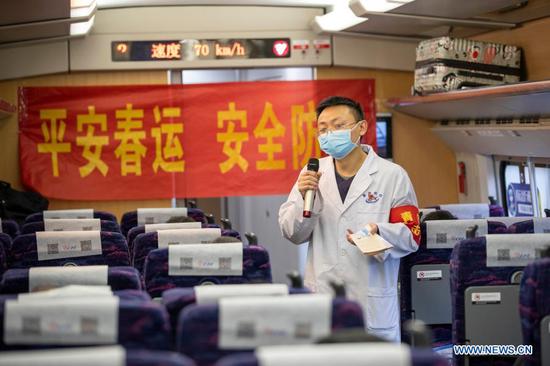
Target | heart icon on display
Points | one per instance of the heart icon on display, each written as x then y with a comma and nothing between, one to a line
280,48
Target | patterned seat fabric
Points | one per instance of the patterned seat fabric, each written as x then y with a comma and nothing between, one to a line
33,227
256,269
114,253
496,211
469,268
102,215
144,243
141,324
16,281
419,357
534,305
198,329
3,254
130,219
522,227
129,295
157,358
10,227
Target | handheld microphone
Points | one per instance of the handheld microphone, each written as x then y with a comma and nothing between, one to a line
313,166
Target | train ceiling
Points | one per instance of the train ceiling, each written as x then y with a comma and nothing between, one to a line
30,21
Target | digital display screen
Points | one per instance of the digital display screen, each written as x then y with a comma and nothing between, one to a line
200,49
384,136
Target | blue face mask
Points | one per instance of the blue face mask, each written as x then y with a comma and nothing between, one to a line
338,144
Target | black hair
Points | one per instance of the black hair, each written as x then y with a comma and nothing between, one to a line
226,239
439,215
332,101
174,219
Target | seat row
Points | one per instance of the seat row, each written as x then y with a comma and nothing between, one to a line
221,325
460,264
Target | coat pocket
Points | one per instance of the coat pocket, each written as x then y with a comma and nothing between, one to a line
382,308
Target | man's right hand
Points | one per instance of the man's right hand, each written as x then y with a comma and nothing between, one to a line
308,180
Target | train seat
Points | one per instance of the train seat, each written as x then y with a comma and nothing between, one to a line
485,275
534,307
183,266
144,243
208,332
23,280
69,248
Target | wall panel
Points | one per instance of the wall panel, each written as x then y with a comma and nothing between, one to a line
532,38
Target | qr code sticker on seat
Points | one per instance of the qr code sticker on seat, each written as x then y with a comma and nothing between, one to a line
31,325
85,245
224,263
53,248
88,326
186,263
503,254
302,330
441,238
246,330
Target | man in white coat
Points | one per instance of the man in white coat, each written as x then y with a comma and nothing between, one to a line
356,190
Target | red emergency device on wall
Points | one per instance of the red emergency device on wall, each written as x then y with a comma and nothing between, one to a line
462,177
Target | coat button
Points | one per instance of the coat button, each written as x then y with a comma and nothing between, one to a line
343,252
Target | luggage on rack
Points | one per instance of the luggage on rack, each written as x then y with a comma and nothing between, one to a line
446,63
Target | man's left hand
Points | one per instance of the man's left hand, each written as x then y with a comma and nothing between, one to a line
370,228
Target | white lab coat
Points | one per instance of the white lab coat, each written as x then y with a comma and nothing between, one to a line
372,281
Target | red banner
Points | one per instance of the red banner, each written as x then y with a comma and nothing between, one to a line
162,141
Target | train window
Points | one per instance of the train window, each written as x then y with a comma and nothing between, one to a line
384,135
516,188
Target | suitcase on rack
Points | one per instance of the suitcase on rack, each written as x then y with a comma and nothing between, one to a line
446,63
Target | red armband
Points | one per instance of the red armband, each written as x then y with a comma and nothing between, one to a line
407,215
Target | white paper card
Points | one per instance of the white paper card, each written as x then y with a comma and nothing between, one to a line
86,213
77,291
429,275
444,234
249,322
85,356
370,244
464,211
171,226
187,236
205,259
212,294
486,297
541,225
515,250
43,278
67,244
349,354
62,321
72,225
159,215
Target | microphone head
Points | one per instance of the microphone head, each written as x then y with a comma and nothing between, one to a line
313,164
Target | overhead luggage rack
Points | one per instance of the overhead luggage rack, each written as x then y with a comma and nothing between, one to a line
498,102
